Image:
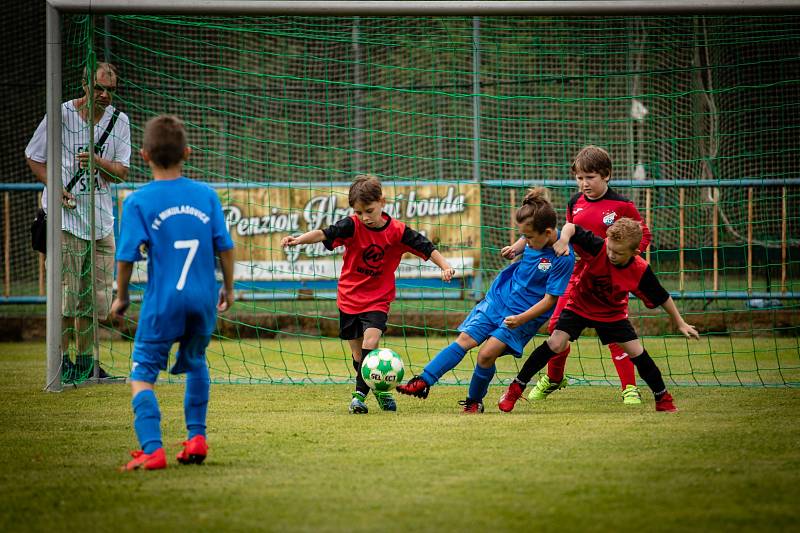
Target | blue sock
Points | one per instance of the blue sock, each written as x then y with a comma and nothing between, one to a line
444,361
479,384
195,401
147,420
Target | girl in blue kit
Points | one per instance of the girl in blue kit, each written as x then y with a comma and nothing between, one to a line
520,300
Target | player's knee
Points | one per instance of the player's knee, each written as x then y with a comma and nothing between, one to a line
370,344
486,359
465,341
372,337
140,386
557,343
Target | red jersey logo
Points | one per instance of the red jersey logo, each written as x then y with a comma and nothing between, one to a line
373,256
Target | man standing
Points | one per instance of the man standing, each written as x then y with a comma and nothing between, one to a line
111,159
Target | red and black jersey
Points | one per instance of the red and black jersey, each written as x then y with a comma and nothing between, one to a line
601,289
598,215
371,257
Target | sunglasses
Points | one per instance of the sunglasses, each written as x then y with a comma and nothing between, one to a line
101,88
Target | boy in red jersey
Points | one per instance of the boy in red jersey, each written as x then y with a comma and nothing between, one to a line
374,244
594,207
600,300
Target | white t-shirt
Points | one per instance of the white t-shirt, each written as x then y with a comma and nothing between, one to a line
75,139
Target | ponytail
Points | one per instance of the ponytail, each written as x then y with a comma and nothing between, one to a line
537,211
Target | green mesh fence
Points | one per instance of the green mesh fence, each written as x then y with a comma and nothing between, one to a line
700,115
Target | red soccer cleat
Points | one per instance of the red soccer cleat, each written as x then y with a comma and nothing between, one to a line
665,404
509,399
471,406
152,461
416,386
194,451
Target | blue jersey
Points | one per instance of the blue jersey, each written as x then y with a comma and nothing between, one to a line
523,284
180,225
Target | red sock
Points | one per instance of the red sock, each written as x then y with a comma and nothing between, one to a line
624,365
556,365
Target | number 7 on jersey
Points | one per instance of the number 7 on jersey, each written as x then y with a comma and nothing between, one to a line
191,245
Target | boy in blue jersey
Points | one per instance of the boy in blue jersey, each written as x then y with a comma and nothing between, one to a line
180,225
520,300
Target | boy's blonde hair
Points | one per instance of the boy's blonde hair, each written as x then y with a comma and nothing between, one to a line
592,159
537,211
366,189
626,230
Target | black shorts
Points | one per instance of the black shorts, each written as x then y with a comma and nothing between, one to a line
573,324
353,326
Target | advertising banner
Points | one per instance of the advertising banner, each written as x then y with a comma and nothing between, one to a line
258,218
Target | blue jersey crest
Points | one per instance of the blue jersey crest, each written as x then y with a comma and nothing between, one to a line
522,284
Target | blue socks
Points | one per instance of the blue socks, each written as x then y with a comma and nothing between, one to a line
147,415
479,384
444,361
195,400
147,420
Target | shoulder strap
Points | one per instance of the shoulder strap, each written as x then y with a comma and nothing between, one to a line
109,127
99,144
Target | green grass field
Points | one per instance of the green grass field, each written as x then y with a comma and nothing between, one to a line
290,458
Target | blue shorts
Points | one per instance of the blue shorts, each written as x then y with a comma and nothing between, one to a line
149,357
485,321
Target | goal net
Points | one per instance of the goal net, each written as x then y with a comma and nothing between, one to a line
458,117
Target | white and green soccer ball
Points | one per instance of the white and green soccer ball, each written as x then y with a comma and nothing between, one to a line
382,369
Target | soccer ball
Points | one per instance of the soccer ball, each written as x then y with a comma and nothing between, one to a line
382,369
